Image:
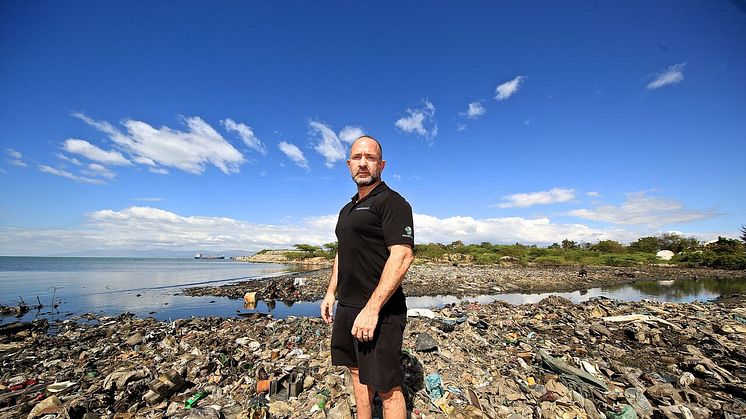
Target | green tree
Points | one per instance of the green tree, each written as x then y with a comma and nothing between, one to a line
608,246
648,244
726,246
743,233
569,244
676,242
332,247
554,245
310,250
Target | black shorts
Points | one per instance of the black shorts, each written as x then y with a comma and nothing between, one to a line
377,360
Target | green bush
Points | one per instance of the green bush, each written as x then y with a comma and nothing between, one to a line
486,258
551,261
608,246
711,259
618,260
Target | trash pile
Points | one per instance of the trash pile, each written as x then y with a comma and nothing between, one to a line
600,358
305,286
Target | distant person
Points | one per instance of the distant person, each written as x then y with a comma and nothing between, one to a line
376,236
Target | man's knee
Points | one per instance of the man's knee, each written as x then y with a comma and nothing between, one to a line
387,395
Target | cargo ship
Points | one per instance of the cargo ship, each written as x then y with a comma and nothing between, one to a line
205,256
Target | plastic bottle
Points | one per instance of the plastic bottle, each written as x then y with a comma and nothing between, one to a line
192,401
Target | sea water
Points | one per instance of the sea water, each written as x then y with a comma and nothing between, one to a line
110,286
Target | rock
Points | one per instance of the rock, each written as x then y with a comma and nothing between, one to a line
425,343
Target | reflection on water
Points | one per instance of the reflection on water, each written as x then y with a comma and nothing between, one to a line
679,291
110,286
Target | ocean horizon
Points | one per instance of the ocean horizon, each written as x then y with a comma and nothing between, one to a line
114,285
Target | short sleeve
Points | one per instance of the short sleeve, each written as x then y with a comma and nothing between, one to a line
396,221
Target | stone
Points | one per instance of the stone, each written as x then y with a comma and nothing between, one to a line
425,343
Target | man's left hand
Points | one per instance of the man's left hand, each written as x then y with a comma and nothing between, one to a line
365,325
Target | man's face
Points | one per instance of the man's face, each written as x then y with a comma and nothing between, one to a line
365,162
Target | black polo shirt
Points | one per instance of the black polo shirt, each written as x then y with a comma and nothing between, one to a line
365,230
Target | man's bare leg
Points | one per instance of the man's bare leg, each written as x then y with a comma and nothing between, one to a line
394,406
363,396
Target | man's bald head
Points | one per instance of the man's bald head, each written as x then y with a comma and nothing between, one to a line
368,137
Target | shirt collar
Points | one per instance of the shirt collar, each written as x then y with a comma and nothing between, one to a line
378,189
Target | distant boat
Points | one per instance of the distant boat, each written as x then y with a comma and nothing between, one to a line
205,256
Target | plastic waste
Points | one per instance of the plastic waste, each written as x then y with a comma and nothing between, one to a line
622,412
420,312
639,402
192,401
434,386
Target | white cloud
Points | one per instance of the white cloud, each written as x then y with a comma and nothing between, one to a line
96,169
672,75
593,194
350,133
144,227
460,127
293,153
509,88
475,110
420,121
640,209
69,159
524,200
158,170
145,161
149,199
191,150
16,157
330,144
91,152
68,175
246,134
148,227
429,229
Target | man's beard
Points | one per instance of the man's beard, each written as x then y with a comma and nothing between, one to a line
366,181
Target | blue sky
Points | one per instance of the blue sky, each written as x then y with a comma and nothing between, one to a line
186,125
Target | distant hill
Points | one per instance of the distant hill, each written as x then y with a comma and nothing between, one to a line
151,253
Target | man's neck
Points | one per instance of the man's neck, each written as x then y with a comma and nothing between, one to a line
363,191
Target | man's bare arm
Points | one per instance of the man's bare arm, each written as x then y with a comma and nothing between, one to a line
400,257
327,306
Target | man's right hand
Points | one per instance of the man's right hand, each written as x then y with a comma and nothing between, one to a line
327,309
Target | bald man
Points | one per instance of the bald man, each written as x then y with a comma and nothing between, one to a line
375,233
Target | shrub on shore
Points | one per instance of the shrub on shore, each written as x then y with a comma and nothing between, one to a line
724,253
